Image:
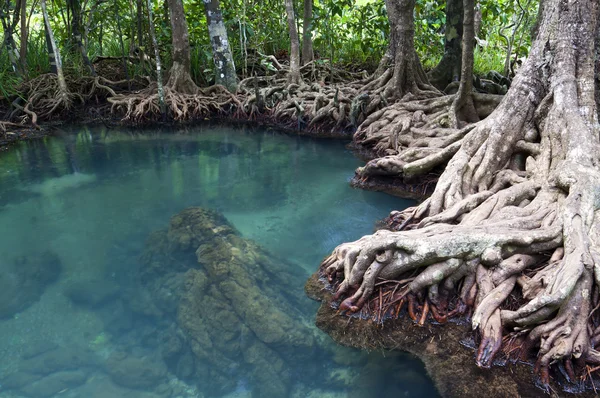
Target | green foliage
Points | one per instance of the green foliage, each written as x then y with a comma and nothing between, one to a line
354,33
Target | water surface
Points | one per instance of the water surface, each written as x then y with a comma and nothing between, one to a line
76,213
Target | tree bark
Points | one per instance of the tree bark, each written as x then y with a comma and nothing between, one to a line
159,82
75,7
179,75
24,36
463,108
63,96
408,76
448,69
524,181
294,74
307,45
225,68
9,41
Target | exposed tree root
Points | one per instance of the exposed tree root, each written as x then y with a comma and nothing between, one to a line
511,233
412,137
144,104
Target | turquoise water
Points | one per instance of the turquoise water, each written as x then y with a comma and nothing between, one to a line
82,315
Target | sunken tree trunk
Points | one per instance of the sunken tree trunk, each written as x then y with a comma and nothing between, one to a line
225,68
294,74
179,75
307,45
511,231
448,69
75,7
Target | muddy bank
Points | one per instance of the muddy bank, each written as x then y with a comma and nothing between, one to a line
446,350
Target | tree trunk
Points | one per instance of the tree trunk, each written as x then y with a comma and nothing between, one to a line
140,23
463,108
522,182
225,68
307,45
294,75
24,36
159,82
448,69
75,7
63,96
408,76
9,41
179,75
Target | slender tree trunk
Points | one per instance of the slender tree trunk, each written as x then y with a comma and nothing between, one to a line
448,69
140,23
463,107
62,83
9,41
75,7
307,46
225,68
159,82
294,75
179,75
24,36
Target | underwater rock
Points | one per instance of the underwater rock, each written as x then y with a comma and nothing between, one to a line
60,359
24,279
92,293
135,372
53,384
236,306
47,370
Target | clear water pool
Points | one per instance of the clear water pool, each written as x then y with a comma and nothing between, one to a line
77,317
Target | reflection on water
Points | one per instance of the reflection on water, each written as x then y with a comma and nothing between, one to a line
109,287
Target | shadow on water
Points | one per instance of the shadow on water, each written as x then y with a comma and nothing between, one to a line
173,265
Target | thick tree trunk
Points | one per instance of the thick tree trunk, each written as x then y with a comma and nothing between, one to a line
408,75
307,45
448,69
294,74
179,75
225,68
159,82
521,183
75,7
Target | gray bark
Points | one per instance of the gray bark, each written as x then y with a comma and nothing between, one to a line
75,7
179,75
448,69
463,107
307,45
225,68
159,82
294,74
24,36
8,28
62,84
